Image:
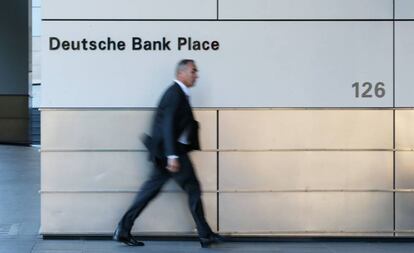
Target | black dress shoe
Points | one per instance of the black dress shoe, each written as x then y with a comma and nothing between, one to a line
211,239
217,238
126,238
205,242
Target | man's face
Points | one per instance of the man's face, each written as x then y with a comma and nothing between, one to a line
189,75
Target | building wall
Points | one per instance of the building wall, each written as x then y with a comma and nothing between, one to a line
289,146
14,72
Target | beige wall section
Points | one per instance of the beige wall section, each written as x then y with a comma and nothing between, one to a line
92,158
126,9
404,209
113,171
264,171
295,169
311,211
306,9
94,129
404,125
404,170
110,129
98,213
404,201
306,129
93,163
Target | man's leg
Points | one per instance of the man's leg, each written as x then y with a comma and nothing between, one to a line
187,179
148,191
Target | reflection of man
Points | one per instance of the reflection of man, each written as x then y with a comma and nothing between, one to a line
174,134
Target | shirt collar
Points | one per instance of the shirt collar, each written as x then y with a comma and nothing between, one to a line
185,89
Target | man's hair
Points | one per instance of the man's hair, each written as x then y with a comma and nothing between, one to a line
182,65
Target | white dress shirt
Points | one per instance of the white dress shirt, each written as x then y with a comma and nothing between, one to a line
184,135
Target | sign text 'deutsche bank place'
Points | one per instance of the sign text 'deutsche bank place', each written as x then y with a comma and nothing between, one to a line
134,44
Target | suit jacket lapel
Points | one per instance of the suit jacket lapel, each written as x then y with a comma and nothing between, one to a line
182,94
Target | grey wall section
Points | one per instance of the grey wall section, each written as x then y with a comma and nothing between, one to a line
285,64
305,9
404,60
404,9
227,9
126,9
14,71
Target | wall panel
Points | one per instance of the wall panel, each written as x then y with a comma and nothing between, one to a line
404,209
297,170
306,129
404,59
404,163
284,64
295,212
109,129
110,171
404,9
95,213
126,9
404,125
305,9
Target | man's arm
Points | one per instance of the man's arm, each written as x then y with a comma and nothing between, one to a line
171,107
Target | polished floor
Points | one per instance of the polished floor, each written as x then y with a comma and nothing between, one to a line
20,223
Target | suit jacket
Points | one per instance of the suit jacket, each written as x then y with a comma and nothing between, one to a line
172,117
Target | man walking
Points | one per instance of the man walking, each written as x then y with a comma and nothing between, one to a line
174,134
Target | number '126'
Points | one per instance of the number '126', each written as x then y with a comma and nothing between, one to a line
367,90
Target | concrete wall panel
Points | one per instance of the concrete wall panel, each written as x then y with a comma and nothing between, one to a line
305,170
404,125
126,9
127,171
404,9
289,212
306,9
306,129
404,170
258,64
110,129
404,59
99,213
404,209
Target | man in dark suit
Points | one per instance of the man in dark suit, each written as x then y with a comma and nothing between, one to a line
174,134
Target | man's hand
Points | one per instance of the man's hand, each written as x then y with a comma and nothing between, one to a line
173,165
